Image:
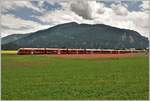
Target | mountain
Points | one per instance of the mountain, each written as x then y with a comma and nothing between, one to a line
13,37
74,35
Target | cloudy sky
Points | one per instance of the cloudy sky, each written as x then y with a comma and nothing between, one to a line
25,16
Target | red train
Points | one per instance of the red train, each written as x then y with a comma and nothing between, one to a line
27,51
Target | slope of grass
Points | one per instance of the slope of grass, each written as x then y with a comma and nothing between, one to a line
46,77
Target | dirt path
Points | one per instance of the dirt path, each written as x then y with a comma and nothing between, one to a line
97,55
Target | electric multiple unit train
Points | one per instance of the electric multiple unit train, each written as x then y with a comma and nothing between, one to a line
27,51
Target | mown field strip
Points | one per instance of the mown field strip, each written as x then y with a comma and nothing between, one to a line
8,51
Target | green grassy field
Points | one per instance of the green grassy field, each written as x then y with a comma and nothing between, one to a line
47,77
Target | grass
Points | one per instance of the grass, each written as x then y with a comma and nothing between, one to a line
46,77
8,52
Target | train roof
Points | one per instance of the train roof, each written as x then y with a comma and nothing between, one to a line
60,49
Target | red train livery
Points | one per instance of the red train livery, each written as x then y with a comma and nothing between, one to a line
27,51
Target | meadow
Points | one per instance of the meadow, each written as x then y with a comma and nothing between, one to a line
48,77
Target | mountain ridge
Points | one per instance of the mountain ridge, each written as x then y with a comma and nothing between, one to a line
74,35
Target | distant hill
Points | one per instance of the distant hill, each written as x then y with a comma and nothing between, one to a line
74,35
13,37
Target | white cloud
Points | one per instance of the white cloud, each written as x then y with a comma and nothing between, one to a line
14,4
87,9
90,12
13,25
59,17
119,9
82,8
145,5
